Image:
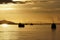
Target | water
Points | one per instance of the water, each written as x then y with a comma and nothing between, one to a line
36,32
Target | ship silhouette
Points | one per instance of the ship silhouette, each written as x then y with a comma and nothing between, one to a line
22,25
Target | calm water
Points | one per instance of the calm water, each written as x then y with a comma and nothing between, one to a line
36,32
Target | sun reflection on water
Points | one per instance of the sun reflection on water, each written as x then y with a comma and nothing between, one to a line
4,25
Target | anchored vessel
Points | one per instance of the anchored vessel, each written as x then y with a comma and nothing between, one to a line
22,25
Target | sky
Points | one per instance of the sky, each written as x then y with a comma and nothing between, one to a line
33,11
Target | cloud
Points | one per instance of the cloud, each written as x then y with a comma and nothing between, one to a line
40,6
21,2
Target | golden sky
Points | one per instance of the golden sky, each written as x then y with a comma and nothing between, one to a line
34,11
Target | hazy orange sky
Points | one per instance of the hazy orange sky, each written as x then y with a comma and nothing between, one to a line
34,11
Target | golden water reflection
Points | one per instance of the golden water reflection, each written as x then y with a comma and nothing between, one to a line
12,32
42,32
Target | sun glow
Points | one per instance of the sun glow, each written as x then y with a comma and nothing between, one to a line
4,25
7,7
